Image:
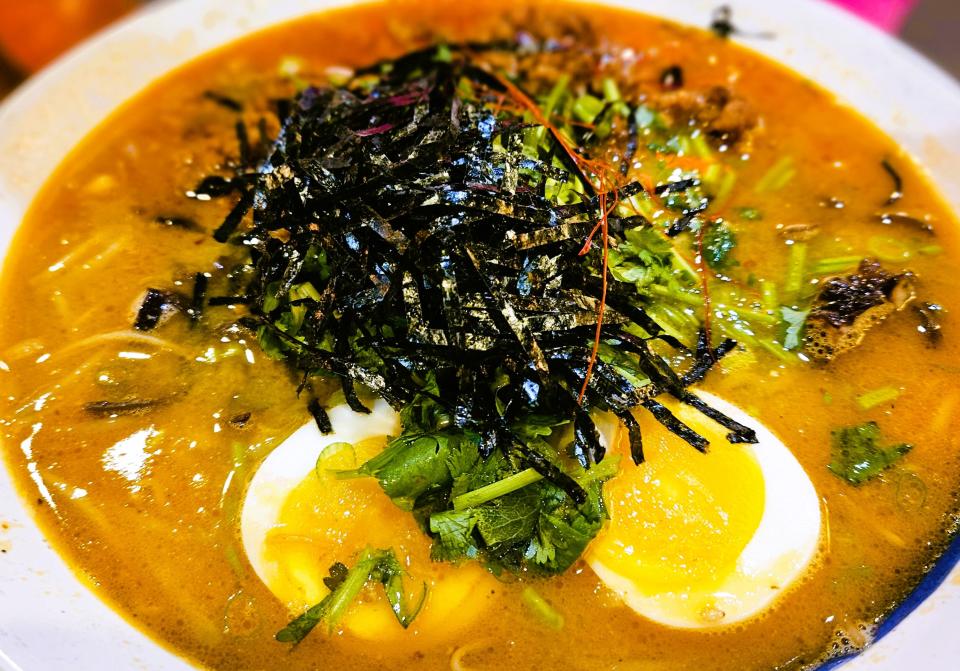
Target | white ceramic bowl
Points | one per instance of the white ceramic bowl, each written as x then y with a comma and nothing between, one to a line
49,619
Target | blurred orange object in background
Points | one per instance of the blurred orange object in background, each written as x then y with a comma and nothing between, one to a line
34,32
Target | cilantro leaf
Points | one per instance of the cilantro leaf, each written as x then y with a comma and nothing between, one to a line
857,455
380,566
718,242
795,321
454,535
509,519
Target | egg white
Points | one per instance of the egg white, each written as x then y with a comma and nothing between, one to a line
292,461
778,554
351,514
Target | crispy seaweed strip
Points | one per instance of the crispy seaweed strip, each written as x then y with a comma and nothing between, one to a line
705,360
229,225
662,375
683,221
350,395
586,441
672,78
243,144
199,297
320,416
154,304
674,187
224,101
634,434
897,192
928,316
215,186
674,425
738,432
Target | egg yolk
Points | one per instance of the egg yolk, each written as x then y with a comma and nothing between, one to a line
325,520
680,520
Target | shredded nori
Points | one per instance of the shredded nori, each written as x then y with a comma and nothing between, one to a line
928,316
400,233
195,310
320,416
155,303
224,101
672,78
897,192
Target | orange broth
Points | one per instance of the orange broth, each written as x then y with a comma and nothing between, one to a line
151,522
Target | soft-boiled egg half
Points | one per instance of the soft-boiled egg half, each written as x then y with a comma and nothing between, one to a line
693,541
701,541
298,519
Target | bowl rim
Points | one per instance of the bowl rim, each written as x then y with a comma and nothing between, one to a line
195,27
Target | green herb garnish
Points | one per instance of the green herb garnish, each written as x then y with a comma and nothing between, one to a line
857,455
372,566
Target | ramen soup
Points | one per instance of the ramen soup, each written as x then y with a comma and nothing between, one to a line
432,336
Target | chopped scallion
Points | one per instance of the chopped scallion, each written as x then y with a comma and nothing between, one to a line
889,249
542,609
611,92
835,264
796,267
587,108
778,176
877,397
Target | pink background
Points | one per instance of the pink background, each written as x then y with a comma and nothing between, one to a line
886,14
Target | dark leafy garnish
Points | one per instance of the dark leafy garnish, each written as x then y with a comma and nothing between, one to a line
426,232
857,455
240,420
